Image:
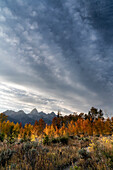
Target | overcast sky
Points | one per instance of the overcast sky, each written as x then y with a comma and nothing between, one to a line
56,55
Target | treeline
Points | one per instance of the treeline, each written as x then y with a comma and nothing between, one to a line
81,124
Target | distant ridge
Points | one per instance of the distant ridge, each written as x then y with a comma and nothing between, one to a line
31,117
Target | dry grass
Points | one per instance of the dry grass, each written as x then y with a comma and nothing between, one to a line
93,153
32,155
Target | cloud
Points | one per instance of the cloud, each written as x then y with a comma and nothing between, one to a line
60,49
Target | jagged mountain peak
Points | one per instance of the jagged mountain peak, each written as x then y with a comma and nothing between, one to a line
52,113
20,111
34,111
21,116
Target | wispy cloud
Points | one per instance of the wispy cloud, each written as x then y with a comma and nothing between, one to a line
61,49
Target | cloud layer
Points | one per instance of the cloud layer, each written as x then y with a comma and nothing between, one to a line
56,55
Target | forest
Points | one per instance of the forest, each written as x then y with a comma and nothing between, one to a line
76,141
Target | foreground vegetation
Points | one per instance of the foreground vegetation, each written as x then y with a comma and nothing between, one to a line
32,155
78,153
81,142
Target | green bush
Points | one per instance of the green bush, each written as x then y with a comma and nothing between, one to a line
72,137
35,144
27,146
11,139
86,139
55,140
46,140
64,140
75,167
2,136
83,154
5,156
22,141
32,157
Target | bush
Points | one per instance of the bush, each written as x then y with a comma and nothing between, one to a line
32,157
13,166
75,167
27,146
2,136
64,140
5,156
35,144
72,137
55,140
83,153
46,140
86,139
22,141
11,139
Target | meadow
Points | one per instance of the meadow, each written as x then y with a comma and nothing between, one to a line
64,153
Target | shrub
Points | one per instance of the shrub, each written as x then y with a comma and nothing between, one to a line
2,136
5,156
75,167
11,139
32,157
22,140
55,140
86,139
27,146
46,140
13,166
64,140
83,153
35,144
72,137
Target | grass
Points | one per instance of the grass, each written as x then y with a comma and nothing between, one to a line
98,156
82,153
32,155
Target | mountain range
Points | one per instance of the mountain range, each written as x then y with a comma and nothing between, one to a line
31,117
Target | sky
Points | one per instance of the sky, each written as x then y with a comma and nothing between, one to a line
56,55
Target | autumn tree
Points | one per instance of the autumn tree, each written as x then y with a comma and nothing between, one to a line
107,127
28,129
41,126
72,129
95,114
3,118
98,128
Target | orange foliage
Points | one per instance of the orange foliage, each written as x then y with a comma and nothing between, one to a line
71,125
